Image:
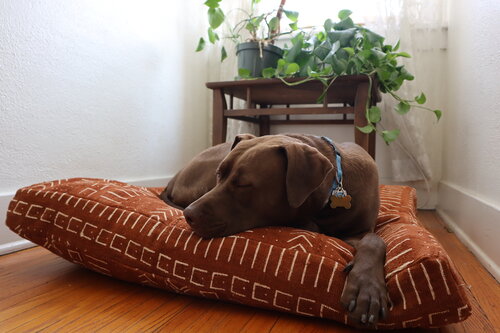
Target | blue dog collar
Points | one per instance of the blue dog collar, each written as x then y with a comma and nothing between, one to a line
338,195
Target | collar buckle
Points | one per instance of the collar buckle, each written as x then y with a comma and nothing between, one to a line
338,195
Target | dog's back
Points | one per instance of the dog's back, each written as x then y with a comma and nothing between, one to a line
197,178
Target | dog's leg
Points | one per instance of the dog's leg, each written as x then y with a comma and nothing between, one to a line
365,293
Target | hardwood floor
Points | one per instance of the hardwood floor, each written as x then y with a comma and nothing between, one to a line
40,292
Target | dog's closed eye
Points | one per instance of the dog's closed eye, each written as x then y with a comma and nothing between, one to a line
241,182
243,185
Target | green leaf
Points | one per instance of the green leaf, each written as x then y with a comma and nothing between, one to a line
292,68
244,73
390,136
298,42
403,54
405,74
257,20
254,23
201,45
349,50
273,24
339,65
344,36
292,16
327,71
438,114
374,38
366,129
250,27
320,37
212,3
323,49
281,65
304,59
396,47
421,99
387,48
212,36
223,54
402,108
377,53
328,25
293,26
215,17
344,13
335,47
292,53
344,24
374,114
383,74
268,72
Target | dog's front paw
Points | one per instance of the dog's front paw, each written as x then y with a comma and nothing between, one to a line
365,295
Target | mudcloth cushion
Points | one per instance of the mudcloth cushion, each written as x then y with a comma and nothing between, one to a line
127,232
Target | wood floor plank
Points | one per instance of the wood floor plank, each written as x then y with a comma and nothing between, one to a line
21,274
264,322
288,323
44,293
65,275
238,318
156,318
54,309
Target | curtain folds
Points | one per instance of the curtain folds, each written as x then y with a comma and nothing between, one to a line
421,26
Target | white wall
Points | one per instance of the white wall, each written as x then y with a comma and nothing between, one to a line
108,89
469,195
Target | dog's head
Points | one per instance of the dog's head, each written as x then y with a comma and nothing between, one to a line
262,181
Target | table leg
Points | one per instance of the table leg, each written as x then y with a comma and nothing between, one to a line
371,144
219,121
264,122
264,125
360,104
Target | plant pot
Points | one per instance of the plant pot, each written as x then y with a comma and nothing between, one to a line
249,57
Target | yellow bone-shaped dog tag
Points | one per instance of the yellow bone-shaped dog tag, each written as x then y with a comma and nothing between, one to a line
340,201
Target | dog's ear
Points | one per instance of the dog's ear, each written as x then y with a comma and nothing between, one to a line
241,137
306,170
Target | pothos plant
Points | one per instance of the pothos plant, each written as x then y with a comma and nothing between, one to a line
263,28
345,48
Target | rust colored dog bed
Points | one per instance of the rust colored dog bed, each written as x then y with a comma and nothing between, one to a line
127,232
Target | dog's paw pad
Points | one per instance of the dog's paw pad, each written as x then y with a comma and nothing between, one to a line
365,297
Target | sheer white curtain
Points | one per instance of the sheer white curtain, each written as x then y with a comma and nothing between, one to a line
421,26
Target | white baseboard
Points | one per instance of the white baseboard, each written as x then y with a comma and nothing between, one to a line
15,246
475,222
149,182
10,242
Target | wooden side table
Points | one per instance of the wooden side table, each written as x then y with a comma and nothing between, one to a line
267,97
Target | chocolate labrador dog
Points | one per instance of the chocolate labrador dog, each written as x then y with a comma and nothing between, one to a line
294,180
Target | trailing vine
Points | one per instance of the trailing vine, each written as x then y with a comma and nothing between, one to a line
345,48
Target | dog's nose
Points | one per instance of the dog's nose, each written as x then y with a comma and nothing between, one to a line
190,215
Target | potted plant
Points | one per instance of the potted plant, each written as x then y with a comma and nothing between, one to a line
340,48
254,35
